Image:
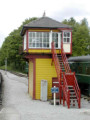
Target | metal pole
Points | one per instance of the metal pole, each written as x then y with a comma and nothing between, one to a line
54,97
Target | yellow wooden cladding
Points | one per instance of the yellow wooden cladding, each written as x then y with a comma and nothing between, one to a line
46,71
46,51
43,30
31,78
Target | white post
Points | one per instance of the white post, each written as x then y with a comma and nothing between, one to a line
54,97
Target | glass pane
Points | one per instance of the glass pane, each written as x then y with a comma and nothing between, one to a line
65,34
52,38
52,34
47,34
64,39
47,45
40,39
68,34
33,34
30,40
40,34
56,45
44,40
47,39
56,39
33,44
57,35
30,34
44,44
33,40
40,44
37,45
68,39
30,45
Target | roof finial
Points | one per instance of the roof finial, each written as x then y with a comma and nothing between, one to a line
44,14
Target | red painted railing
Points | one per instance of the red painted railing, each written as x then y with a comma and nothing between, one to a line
66,91
77,91
64,58
56,61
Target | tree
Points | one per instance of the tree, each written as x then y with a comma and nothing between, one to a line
10,48
80,37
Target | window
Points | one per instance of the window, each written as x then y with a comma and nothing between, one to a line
88,70
79,69
44,39
55,39
24,41
38,39
66,37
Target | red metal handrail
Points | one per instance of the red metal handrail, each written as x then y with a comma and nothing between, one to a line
56,61
64,58
77,91
66,90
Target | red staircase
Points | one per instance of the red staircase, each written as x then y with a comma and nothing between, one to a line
67,80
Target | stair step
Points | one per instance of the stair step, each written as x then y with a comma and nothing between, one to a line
71,96
62,67
72,93
59,55
69,73
71,89
74,105
73,99
70,86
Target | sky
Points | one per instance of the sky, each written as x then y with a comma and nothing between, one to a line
14,12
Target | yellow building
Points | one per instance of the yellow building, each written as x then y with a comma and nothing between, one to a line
37,38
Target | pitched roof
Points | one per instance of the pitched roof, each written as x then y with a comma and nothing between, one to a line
45,22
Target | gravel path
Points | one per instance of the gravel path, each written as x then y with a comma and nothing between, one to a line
17,104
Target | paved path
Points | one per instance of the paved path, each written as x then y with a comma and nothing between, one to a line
17,104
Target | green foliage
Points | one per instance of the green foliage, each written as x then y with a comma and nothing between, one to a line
10,49
80,37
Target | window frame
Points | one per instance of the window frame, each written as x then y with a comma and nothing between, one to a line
24,42
42,46
67,37
49,42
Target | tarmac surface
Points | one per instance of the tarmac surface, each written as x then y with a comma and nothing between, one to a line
17,104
